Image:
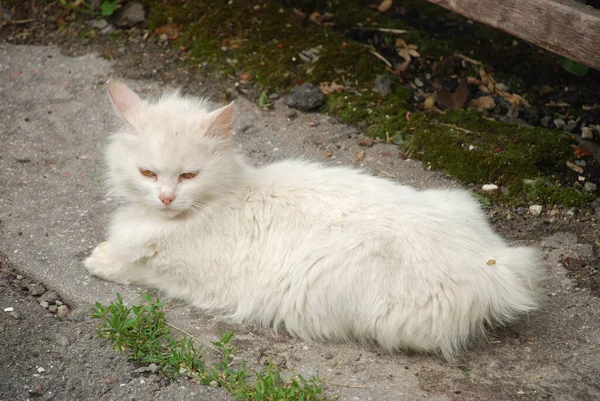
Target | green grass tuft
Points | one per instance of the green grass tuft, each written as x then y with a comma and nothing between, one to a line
142,332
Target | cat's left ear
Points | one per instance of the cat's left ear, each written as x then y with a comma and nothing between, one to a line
125,101
220,122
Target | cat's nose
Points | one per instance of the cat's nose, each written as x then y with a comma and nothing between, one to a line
166,199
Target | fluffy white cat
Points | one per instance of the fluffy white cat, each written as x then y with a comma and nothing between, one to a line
327,253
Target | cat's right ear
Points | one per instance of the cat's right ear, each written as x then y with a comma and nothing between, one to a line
125,101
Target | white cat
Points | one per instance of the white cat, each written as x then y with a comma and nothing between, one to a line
327,253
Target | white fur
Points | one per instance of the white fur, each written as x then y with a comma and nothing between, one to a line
327,253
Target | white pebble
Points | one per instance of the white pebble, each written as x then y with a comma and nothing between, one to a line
490,187
535,210
9,309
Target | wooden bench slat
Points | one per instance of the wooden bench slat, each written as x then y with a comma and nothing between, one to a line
565,27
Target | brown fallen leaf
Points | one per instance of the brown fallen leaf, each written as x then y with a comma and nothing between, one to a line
327,154
368,142
385,5
482,103
575,167
582,152
360,157
333,87
455,100
429,102
514,99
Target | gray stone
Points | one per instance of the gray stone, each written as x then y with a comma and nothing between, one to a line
291,115
132,14
590,187
49,297
559,123
15,314
52,308
108,30
545,121
306,97
36,289
383,85
571,125
274,96
98,23
61,339
44,304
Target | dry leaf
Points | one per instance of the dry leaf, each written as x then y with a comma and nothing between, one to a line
385,5
482,103
368,142
400,42
360,156
575,167
473,81
333,87
513,99
429,102
561,104
327,154
455,100
582,152
413,53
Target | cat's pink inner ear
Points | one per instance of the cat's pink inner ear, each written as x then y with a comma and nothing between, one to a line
220,121
124,99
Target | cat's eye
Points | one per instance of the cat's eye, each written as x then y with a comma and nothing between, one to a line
187,176
148,173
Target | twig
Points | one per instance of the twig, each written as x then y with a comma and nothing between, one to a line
468,59
347,385
18,22
466,131
384,30
387,174
380,57
197,339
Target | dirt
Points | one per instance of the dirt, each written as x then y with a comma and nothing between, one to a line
35,340
45,357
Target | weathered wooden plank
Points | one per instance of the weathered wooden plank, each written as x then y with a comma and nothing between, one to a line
565,27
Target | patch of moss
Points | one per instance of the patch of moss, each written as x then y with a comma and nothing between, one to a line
478,151
384,116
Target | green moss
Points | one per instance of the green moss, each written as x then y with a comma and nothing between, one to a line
481,151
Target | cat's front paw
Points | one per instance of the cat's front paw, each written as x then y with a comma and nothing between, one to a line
101,263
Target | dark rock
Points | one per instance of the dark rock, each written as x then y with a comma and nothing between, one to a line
133,13
571,125
49,297
383,85
545,121
306,97
291,115
36,289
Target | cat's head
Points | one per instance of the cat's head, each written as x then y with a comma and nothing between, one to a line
173,155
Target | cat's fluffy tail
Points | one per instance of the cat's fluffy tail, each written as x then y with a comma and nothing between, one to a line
505,291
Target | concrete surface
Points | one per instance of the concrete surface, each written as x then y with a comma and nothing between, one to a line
54,121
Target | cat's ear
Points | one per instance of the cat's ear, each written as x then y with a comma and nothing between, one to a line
125,101
220,122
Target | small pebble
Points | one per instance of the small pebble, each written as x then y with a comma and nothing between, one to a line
291,115
571,125
36,289
52,308
559,123
418,82
44,304
490,187
58,303
329,355
274,96
61,340
590,187
520,210
62,311
14,314
213,383
545,121
535,210
49,297
586,133
9,309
